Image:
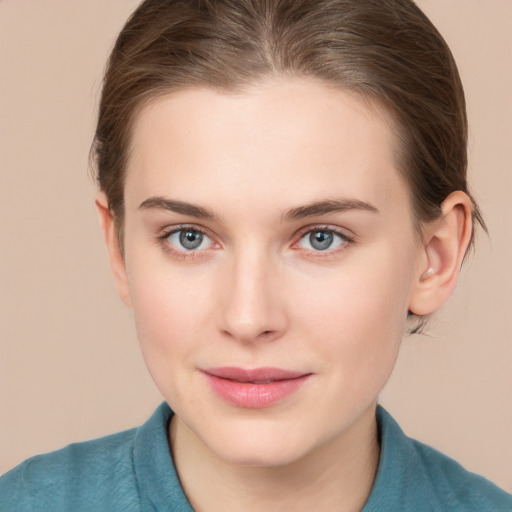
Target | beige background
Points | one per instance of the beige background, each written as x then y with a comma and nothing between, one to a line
70,368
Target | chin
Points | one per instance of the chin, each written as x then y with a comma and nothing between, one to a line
275,455
260,444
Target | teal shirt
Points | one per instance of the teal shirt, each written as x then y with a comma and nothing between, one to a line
133,471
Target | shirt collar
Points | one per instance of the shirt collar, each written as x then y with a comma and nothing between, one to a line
159,485
397,485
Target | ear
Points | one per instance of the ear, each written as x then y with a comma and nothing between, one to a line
445,243
114,251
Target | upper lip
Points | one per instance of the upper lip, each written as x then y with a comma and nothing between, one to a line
261,375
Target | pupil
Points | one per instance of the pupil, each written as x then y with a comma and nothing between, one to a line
320,240
190,239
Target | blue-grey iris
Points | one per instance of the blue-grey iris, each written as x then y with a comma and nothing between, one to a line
321,240
190,239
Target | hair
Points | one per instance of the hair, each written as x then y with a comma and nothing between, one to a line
384,50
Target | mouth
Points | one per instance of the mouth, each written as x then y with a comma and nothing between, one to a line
255,388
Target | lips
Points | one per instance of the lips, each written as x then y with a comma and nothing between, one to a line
258,375
254,388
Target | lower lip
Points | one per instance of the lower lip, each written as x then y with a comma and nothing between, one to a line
255,396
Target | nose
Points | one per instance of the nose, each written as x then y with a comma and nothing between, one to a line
252,302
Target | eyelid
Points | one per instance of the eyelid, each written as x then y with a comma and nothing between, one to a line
325,227
301,233
166,232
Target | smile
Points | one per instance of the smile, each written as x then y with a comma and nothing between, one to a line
255,388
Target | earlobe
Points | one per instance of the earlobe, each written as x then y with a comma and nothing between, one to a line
445,243
115,254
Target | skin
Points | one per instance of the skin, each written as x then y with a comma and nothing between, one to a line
257,292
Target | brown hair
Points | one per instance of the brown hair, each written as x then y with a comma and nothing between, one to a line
383,49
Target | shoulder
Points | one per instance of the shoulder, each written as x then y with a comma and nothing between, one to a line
459,488
74,478
130,471
414,476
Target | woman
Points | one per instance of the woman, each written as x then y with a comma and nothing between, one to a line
282,194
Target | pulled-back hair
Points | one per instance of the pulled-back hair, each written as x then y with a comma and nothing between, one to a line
386,50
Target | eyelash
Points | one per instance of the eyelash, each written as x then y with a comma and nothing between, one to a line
162,240
182,255
327,254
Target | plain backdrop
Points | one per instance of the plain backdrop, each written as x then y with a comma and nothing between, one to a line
70,367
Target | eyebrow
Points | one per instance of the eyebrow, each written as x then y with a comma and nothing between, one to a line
328,206
299,212
162,203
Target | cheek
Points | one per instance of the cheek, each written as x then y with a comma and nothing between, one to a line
165,322
358,316
164,311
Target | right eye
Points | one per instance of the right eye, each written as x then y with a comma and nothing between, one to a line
188,240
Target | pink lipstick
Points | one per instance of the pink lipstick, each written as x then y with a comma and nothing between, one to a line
255,388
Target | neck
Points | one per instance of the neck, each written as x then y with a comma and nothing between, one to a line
337,475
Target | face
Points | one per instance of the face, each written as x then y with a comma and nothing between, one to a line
270,259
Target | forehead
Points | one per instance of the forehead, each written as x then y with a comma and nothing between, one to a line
287,140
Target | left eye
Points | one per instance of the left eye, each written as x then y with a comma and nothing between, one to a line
321,240
188,239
